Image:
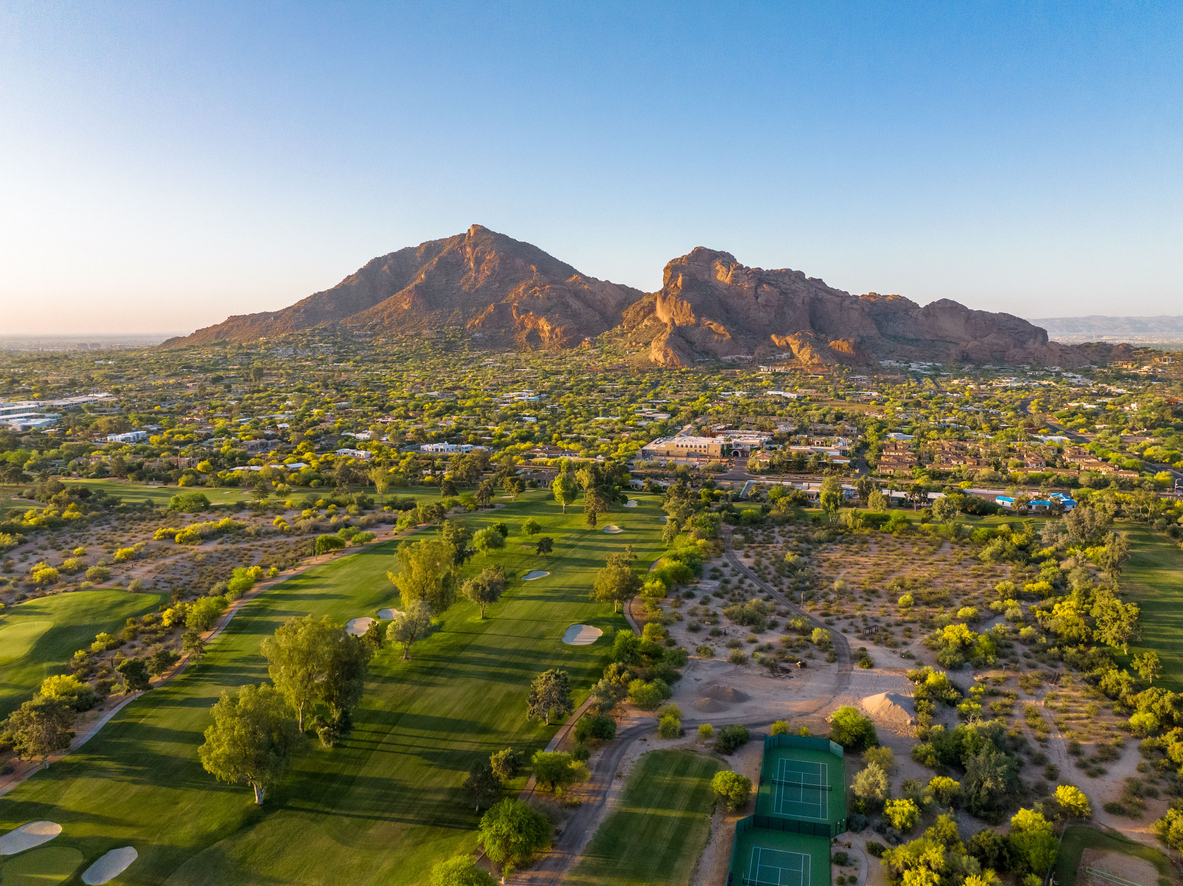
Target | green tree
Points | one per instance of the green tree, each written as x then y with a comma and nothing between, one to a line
68,688
41,726
484,493
488,539
135,674
531,527
204,613
456,536
381,478
345,675
1072,802
482,787
944,510
733,789
1116,622
545,545
325,544
504,763
1148,665
192,644
486,587
557,771
298,657
616,583
831,496
253,738
876,500
414,623
945,789
427,574
550,695
871,785
511,833
564,489
513,487
852,730
1032,840
903,814
460,871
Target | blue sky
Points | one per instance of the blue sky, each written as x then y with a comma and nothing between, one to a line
164,165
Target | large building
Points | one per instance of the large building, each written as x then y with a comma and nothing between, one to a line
733,445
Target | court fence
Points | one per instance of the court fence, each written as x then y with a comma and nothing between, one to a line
804,743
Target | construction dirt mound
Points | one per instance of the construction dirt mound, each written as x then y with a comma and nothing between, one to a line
727,694
709,706
891,709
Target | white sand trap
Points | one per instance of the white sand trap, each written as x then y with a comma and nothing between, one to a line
358,626
891,708
534,574
581,635
631,503
27,836
613,529
389,614
665,519
110,866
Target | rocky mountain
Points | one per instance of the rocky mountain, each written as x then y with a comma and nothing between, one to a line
709,307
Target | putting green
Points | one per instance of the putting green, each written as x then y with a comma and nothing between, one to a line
46,866
16,640
383,806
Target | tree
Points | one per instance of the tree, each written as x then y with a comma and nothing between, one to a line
903,814
871,785
876,500
1115,553
1116,622
564,489
41,726
252,740
1148,665
732,788
488,539
381,478
616,583
1169,828
511,833
325,544
1072,802
944,509
550,694
135,674
484,493
456,536
204,613
1032,840
68,688
192,644
852,730
345,675
557,771
504,763
594,504
513,487
298,658
460,871
427,574
945,789
485,588
830,496
482,787
545,545
410,626
531,527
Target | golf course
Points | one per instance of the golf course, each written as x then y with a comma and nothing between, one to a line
383,805
1153,579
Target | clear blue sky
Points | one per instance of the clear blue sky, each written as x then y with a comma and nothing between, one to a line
163,165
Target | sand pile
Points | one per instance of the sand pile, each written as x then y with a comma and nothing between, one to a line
891,708
110,866
389,614
581,635
358,626
709,706
27,836
725,694
631,503
534,575
613,529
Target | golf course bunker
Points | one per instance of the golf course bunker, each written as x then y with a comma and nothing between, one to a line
581,635
631,503
358,626
388,614
110,866
535,574
613,529
28,836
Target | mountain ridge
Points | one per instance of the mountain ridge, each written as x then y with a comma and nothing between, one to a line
710,306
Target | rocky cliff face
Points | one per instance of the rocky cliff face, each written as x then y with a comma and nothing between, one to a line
709,306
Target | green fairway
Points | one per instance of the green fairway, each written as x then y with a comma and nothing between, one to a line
660,828
1153,578
38,637
383,806
44,866
1077,839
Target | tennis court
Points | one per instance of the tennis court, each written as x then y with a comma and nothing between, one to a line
801,789
769,858
777,867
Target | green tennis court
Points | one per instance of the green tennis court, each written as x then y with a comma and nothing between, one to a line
769,858
803,785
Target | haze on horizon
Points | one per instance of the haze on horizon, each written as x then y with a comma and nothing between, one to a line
165,166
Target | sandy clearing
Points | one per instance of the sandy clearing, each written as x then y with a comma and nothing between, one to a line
631,503
1128,867
389,614
581,635
110,866
534,575
27,836
613,529
358,626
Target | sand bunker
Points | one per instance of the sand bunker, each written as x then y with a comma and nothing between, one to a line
27,836
1127,867
709,706
534,574
388,614
631,503
613,529
725,694
581,635
110,866
665,519
358,626
891,708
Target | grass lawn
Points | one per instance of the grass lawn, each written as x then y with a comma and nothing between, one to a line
383,806
1077,839
39,636
1153,578
658,833
44,866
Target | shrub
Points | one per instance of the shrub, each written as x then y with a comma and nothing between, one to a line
326,543
876,849
647,695
852,730
669,727
733,789
780,727
203,614
189,502
98,573
706,732
903,814
557,771
595,727
68,688
731,738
